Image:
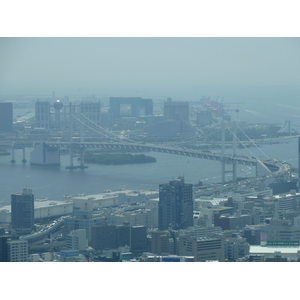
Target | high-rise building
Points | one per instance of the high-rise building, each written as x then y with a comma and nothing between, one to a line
22,212
6,117
176,110
175,208
42,114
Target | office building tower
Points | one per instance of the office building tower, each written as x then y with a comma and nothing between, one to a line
176,110
42,114
22,212
6,117
175,208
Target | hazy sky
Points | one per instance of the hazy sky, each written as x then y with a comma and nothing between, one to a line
182,68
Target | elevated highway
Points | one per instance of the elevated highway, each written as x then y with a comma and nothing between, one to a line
43,234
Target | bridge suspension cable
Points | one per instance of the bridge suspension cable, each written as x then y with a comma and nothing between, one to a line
114,136
260,162
101,133
253,142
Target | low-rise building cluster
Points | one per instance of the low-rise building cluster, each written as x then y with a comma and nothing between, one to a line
172,224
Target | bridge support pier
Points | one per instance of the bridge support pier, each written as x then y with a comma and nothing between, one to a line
82,166
13,155
24,159
234,175
71,166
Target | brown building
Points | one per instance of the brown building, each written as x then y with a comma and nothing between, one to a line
162,243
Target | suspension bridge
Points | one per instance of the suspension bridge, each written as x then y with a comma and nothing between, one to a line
263,167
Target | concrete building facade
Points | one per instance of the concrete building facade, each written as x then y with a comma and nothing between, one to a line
17,250
176,110
203,249
280,232
175,208
42,114
77,240
137,105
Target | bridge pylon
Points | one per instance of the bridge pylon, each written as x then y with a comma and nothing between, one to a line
82,166
13,155
234,165
24,159
71,166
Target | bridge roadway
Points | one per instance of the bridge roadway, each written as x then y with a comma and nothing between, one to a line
274,166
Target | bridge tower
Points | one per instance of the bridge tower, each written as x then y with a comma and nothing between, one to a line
13,154
71,166
234,174
72,110
223,151
24,159
234,165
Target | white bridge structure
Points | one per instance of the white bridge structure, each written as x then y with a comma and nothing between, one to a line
48,152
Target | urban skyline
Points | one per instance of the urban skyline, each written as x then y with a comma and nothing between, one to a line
183,82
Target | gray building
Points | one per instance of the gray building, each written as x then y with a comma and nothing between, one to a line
203,249
17,250
236,248
6,117
136,107
175,208
176,110
42,114
280,232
